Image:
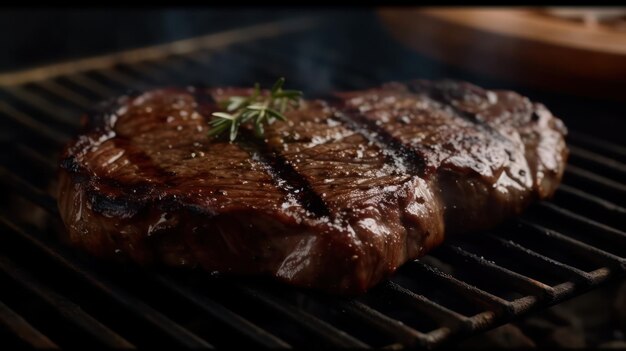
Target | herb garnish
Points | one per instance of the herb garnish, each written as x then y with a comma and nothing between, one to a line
257,108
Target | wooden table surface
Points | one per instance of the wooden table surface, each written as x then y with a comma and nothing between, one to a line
525,45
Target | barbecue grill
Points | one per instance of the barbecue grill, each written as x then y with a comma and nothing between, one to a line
53,296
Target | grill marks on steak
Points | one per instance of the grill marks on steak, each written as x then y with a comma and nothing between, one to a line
336,198
158,141
478,144
365,187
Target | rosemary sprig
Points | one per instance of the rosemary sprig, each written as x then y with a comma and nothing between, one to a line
257,108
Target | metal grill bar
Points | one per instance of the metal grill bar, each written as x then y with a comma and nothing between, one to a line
23,330
595,200
307,321
454,253
66,94
595,160
531,257
43,131
90,84
64,307
383,323
179,65
587,251
165,325
44,163
601,230
591,205
603,147
424,305
609,188
181,47
487,300
146,72
119,78
60,114
29,191
218,311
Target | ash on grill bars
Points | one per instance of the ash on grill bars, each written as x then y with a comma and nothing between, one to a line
54,296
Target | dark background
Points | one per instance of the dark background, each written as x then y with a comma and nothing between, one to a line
37,37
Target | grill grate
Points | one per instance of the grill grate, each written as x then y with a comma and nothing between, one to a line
58,297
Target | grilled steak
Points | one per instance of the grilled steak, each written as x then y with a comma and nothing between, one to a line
336,198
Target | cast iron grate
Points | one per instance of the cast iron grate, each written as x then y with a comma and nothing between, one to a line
55,297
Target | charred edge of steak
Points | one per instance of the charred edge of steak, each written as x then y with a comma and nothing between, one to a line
71,165
286,177
131,200
113,207
121,204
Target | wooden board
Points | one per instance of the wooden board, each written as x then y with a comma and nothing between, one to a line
525,45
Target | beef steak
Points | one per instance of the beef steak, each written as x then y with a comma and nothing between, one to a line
336,198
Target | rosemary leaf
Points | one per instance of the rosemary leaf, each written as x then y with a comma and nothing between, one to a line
258,108
278,85
224,115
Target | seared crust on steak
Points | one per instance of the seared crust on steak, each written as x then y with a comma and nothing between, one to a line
336,198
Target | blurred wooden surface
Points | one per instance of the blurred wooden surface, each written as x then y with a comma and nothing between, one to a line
524,45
